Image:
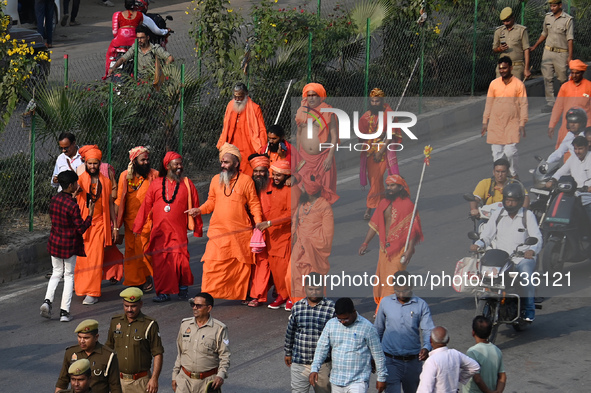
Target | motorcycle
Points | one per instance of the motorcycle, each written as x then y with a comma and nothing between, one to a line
495,296
565,228
541,175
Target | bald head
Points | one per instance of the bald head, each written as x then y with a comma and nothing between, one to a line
439,337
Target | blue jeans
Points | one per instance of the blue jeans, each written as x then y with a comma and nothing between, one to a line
44,10
528,292
403,374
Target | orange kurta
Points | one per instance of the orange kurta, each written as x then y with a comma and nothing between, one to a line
228,258
246,131
570,96
137,265
505,111
313,229
88,272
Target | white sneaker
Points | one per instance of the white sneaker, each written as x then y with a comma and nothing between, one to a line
45,309
65,316
88,300
108,4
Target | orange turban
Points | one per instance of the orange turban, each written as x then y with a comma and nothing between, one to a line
93,154
229,148
133,154
282,166
311,185
258,161
377,93
397,179
577,65
171,155
86,148
316,88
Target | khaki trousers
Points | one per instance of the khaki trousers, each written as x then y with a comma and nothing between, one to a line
184,384
137,386
553,62
300,382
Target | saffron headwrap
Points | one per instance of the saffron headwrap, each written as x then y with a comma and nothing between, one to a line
577,65
282,166
171,155
93,153
397,179
229,148
311,185
377,93
133,154
316,88
258,161
82,151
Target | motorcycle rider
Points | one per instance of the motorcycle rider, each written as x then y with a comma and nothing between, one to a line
490,190
509,227
576,121
579,167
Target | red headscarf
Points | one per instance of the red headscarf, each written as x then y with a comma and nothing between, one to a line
170,156
397,179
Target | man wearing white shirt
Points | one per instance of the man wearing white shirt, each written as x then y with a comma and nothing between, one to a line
576,121
69,160
579,167
445,368
509,227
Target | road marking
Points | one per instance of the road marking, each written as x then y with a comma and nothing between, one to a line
22,292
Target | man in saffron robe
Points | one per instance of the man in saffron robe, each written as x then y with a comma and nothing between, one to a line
378,158
276,204
312,229
391,221
133,186
311,158
277,148
96,187
244,127
168,198
574,93
232,199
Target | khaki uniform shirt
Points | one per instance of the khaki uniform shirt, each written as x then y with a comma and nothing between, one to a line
135,343
103,363
516,39
558,31
204,348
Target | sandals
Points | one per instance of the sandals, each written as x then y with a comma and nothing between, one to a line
254,303
366,216
148,285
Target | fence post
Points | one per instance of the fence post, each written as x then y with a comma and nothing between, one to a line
422,70
66,70
182,108
309,57
135,53
199,53
110,126
474,48
568,7
367,54
523,13
32,184
318,9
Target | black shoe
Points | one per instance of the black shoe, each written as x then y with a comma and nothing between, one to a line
546,108
65,316
184,294
161,298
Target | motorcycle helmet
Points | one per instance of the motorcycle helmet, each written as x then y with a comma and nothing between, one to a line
142,5
576,115
513,190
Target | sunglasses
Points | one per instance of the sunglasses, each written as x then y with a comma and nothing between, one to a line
195,305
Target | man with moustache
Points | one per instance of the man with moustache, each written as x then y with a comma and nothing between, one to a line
233,200
68,160
79,373
135,337
244,127
276,204
378,158
133,186
277,148
94,187
391,221
168,198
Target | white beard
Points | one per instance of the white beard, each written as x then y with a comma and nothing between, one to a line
239,106
225,178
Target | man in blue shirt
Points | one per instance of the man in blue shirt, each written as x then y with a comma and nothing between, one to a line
308,318
401,321
353,341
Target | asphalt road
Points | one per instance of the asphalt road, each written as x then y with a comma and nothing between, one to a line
549,357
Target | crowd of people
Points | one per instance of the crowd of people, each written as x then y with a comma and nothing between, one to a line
272,226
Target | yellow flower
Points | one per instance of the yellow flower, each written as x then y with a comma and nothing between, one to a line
229,9
187,12
273,24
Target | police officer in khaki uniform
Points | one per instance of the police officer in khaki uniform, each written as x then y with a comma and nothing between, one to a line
136,339
203,350
558,29
79,373
104,367
512,40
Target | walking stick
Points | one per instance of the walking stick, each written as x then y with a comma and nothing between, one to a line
426,162
280,110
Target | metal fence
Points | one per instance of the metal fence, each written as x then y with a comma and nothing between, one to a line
340,46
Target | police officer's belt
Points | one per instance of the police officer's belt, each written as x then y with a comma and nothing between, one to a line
202,375
405,358
133,376
518,63
557,50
